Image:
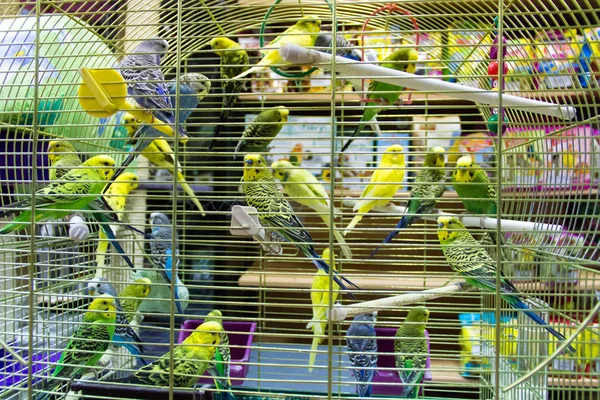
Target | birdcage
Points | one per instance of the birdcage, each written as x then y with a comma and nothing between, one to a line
510,85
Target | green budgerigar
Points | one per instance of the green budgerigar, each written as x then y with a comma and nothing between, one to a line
469,258
132,296
382,95
74,191
475,189
303,187
63,158
191,358
429,187
87,345
276,213
220,370
234,61
410,351
262,130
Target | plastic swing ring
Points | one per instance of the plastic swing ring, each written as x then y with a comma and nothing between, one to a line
390,7
261,39
103,92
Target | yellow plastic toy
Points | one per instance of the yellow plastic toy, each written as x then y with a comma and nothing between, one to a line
103,92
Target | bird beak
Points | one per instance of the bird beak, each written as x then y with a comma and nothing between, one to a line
441,225
89,291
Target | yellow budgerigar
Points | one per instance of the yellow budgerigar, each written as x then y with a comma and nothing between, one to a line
319,297
116,197
303,33
160,153
303,187
385,182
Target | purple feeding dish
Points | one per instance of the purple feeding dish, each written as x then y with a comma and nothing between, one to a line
241,335
12,373
385,344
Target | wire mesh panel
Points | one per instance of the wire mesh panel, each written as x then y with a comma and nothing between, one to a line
299,199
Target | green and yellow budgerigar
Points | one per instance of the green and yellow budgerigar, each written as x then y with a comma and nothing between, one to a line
87,345
380,94
303,187
468,257
234,61
221,367
160,153
320,299
116,198
132,296
410,351
428,188
191,358
303,33
260,133
384,183
276,213
74,191
63,158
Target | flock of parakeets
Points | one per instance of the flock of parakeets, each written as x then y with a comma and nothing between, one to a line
94,186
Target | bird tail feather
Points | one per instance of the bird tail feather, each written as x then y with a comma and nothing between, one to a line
353,223
357,132
113,240
339,237
228,102
252,70
405,221
190,192
365,390
313,353
124,165
322,265
517,303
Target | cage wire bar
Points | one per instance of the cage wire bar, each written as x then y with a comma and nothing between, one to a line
544,169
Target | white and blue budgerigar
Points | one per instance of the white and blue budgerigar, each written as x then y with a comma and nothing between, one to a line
161,248
361,342
146,82
124,335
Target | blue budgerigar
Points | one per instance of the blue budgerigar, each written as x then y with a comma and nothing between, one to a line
193,87
124,336
162,251
146,82
361,342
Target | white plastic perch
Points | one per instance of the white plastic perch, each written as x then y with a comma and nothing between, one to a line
244,222
481,222
340,313
299,55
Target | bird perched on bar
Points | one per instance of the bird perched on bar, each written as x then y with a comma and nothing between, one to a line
234,61
384,183
380,94
86,347
361,342
469,258
410,348
303,33
276,213
428,188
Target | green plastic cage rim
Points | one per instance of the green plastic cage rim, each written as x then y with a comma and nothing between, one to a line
261,39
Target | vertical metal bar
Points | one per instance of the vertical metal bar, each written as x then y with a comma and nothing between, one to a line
331,205
32,253
498,300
